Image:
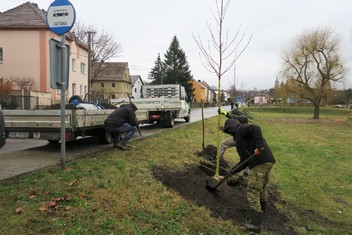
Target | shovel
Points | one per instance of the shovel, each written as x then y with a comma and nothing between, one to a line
211,187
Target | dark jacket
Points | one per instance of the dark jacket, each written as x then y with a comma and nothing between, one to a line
120,116
249,137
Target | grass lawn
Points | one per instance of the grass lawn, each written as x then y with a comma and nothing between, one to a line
114,192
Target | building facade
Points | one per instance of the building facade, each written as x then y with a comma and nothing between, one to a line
112,81
25,54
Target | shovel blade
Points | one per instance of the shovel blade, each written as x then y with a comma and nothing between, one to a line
212,184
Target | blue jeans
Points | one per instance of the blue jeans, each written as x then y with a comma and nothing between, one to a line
117,131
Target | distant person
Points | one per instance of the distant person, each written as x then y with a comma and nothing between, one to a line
122,121
232,104
249,140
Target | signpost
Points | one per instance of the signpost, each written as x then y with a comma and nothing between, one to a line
60,17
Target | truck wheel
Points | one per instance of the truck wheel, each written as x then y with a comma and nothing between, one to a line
188,118
170,120
105,137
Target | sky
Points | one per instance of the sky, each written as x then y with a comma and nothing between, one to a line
145,28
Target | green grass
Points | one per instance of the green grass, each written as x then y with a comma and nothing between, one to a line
113,192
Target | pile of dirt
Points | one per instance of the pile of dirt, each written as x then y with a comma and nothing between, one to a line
229,203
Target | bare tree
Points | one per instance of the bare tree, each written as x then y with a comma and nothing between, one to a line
221,52
24,83
312,66
102,47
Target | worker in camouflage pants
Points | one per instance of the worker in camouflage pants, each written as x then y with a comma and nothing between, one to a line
249,140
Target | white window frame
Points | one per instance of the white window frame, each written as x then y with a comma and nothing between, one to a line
74,65
83,68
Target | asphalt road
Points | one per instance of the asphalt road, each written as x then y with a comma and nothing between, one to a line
20,156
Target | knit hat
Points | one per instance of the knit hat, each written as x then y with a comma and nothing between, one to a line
133,106
231,126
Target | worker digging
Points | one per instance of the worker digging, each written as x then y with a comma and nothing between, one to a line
254,153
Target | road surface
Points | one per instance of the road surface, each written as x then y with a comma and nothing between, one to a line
20,156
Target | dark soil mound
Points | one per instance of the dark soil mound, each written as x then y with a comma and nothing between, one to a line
229,203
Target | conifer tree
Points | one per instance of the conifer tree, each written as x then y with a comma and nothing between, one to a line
177,67
157,74
174,69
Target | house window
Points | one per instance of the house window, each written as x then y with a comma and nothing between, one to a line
73,65
83,68
1,55
73,89
85,90
135,90
113,84
102,85
81,89
112,96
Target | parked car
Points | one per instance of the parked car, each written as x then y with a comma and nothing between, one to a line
338,106
2,129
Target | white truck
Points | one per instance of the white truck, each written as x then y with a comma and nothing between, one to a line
46,124
160,103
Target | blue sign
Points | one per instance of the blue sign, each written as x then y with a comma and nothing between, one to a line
61,16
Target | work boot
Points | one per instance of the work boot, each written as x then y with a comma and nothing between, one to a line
121,145
263,206
114,145
256,219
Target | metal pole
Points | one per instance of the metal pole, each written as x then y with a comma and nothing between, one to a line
62,105
89,63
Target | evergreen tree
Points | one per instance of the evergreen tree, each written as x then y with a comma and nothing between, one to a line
157,74
177,68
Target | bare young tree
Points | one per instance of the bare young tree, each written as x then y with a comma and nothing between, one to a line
24,83
102,46
221,52
312,66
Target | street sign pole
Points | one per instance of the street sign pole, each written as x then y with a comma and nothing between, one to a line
60,18
62,105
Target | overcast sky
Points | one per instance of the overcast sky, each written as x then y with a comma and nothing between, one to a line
145,28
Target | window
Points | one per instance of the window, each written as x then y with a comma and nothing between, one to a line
85,90
81,89
113,84
83,68
102,85
73,65
73,89
135,90
1,55
112,96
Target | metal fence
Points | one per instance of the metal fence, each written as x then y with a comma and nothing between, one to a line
23,102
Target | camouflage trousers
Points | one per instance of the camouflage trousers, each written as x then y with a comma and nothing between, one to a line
225,144
258,178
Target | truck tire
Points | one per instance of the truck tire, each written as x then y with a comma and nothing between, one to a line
105,137
188,118
169,120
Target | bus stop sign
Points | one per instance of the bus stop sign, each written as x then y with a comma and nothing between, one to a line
61,16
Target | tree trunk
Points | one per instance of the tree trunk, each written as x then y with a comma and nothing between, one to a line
316,112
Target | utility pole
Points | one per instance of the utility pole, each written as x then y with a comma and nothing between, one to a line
90,33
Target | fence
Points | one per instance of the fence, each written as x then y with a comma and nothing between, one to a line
23,102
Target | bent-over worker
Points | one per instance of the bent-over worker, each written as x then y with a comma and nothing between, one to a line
249,140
